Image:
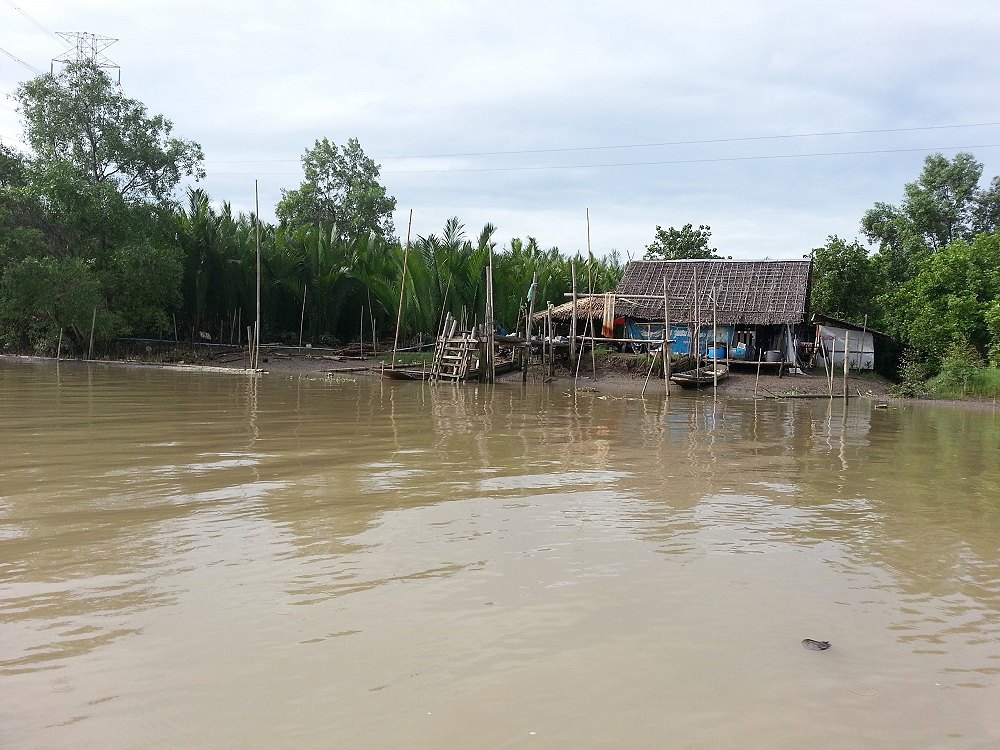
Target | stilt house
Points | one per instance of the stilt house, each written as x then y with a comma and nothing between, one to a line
760,307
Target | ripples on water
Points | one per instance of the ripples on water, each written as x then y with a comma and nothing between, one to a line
202,560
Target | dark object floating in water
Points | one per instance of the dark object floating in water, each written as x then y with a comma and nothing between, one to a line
812,645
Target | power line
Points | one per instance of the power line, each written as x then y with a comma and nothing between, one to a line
738,139
721,159
17,59
735,139
25,14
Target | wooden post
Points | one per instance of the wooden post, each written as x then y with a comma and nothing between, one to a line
59,346
402,289
176,340
93,322
361,336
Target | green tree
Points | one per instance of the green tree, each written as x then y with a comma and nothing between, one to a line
81,118
844,280
340,190
952,297
944,204
41,296
680,244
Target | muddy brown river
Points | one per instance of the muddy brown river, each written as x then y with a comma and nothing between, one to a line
194,560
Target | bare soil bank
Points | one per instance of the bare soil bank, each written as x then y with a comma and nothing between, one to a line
617,375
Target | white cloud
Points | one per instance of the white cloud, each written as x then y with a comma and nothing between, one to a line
262,82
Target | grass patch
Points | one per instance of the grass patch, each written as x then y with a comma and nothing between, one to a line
981,383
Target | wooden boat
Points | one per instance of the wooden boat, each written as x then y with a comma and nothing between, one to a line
398,374
702,377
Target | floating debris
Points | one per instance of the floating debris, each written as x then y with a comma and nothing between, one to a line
812,645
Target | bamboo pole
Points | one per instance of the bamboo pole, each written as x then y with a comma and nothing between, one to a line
93,323
572,328
402,289
302,317
255,363
864,346
830,375
552,343
532,290
715,344
590,286
847,362
176,339
59,346
652,363
490,365
756,382
666,340
697,324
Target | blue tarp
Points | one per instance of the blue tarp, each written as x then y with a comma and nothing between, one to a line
681,336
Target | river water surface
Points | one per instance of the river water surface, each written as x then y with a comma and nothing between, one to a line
195,560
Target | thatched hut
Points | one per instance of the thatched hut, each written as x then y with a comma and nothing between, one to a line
760,307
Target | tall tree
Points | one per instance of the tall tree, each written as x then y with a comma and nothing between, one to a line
944,204
679,244
80,118
845,282
340,190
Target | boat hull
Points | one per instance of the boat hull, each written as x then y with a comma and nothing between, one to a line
703,377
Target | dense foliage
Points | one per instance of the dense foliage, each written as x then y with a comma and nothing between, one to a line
679,244
94,243
93,240
933,280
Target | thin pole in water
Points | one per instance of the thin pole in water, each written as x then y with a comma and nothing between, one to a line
715,344
590,285
847,351
93,322
255,358
302,318
572,329
402,289
667,354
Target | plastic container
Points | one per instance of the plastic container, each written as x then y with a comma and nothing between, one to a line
717,352
772,355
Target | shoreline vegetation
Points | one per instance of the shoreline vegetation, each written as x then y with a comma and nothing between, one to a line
103,237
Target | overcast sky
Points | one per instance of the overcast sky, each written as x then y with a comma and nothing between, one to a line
741,115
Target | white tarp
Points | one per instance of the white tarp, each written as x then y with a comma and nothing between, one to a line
860,347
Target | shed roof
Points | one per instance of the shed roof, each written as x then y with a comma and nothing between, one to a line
769,292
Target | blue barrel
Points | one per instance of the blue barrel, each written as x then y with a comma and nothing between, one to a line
717,352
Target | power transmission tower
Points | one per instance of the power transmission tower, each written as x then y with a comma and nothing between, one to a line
86,46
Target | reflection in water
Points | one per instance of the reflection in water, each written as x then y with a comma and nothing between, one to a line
220,561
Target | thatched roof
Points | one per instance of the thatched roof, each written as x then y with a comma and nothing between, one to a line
770,292
586,307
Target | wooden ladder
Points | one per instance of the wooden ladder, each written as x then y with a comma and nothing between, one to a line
453,356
